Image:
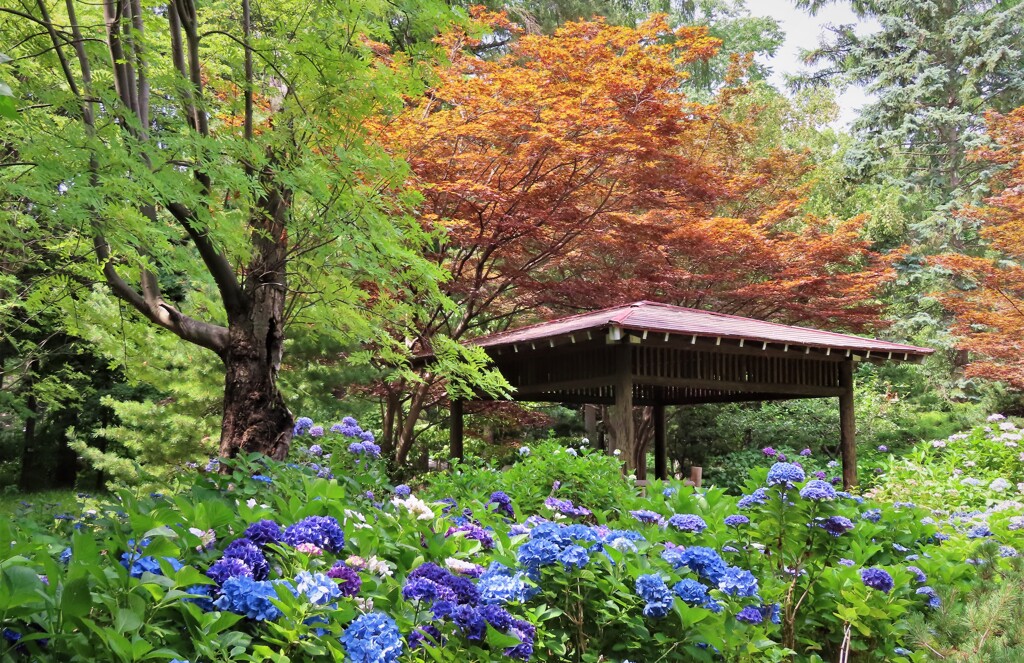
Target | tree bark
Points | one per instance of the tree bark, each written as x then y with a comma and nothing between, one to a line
256,418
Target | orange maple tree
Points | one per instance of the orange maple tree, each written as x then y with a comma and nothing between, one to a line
988,305
575,173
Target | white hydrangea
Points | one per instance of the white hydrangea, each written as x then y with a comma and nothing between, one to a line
379,567
999,485
524,451
995,417
571,452
415,506
461,566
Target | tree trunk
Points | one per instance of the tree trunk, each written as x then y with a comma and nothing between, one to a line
256,418
408,433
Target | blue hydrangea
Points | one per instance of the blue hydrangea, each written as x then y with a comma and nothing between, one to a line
818,490
750,615
372,638
695,594
759,496
538,552
322,531
919,575
688,522
872,515
262,478
203,596
574,556
65,556
933,598
669,491
498,586
425,634
302,424
263,532
785,473
877,578
653,590
737,520
703,561
252,598
979,531
402,491
137,565
317,587
738,582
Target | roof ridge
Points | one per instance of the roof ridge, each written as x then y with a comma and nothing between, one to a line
556,320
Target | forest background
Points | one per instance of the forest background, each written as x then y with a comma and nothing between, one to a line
202,205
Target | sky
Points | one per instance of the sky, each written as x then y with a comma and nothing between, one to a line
804,32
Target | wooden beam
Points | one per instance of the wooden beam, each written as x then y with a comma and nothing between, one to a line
847,426
660,448
753,387
455,432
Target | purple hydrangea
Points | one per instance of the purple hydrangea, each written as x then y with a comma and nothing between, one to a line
250,553
836,525
322,531
919,575
877,578
769,451
316,449
349,581
426,591
263,532
805,452
648,517
475,532
688,522
503,503
228,567
566,508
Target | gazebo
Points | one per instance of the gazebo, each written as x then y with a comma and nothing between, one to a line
651,354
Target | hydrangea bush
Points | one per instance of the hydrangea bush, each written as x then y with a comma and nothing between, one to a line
319,558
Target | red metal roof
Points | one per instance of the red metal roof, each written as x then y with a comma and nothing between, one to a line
665,318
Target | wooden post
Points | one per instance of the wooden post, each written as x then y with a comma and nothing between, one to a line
847,425
455,432
590,423
660,450
620,415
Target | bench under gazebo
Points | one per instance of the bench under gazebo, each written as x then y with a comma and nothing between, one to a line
651,354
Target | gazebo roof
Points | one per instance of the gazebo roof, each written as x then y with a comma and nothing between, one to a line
652,317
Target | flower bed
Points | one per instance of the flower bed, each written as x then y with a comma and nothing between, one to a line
321,559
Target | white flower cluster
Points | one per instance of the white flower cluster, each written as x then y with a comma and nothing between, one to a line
415,506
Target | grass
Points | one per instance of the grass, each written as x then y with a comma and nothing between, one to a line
44,502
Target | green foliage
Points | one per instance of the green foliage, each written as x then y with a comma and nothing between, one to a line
89,607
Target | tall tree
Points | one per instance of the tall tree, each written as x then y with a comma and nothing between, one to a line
987,297
933,69
573,173
221,145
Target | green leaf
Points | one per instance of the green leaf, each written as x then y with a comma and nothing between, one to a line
75,599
